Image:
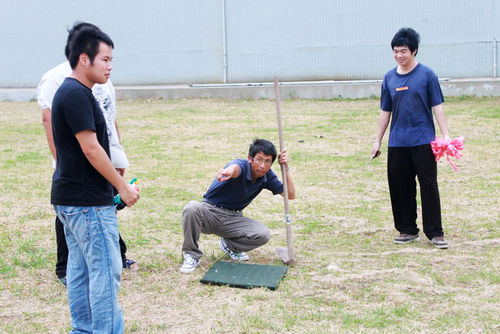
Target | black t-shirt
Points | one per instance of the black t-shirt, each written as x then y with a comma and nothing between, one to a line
76,182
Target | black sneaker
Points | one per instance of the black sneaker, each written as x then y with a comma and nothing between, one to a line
131,264
439,242
404,238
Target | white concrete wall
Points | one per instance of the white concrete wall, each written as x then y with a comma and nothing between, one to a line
191,41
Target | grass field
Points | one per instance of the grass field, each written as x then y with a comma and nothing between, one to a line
349,276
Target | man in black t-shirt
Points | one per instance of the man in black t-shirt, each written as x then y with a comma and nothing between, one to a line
82,187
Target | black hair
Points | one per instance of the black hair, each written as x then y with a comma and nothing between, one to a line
264,146
406,37
71,33
84,38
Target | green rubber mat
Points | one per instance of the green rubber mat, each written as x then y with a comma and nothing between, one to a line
243,275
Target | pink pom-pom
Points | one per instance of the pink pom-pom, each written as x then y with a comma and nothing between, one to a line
451,148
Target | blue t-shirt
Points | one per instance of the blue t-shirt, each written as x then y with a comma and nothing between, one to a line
75,181
410,98
237,193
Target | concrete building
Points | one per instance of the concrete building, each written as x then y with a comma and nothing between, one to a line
168,42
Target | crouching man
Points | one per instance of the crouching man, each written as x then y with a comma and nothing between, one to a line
221,210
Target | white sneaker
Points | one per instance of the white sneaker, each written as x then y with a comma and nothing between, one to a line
235,256
189,264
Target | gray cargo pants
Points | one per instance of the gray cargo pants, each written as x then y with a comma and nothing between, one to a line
240,233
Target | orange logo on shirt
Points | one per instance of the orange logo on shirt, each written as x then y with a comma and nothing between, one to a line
401,88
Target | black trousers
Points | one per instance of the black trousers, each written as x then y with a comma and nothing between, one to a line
403,164
62,250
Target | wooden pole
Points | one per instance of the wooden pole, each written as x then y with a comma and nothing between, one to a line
288,221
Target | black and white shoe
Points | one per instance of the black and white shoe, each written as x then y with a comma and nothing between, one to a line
406,238
439,242
234,255
189,264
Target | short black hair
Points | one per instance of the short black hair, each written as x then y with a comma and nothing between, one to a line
264,146
84,38
71,33
406,37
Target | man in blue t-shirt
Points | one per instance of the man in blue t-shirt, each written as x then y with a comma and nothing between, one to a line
410,94
82,186
221,210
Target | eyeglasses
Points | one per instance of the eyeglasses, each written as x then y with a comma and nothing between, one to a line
261,161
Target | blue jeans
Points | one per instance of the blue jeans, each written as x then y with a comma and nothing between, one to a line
94,268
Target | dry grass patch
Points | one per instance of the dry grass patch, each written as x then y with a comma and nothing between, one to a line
349,276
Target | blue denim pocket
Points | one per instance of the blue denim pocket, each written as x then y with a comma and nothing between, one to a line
77,220
107,216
